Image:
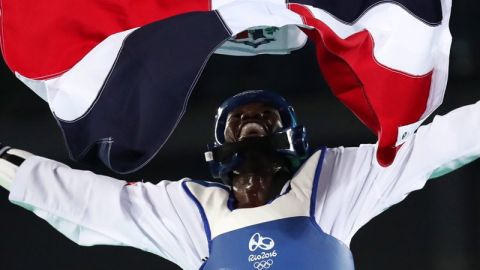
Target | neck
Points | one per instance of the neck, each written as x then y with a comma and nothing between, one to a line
252,190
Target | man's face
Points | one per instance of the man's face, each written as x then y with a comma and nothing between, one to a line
251,120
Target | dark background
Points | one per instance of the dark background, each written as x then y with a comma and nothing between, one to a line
436,228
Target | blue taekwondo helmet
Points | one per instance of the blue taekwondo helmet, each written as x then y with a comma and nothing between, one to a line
290,141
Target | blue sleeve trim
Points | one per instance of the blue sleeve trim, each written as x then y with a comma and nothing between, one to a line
210,184
231,198
206,225
318,171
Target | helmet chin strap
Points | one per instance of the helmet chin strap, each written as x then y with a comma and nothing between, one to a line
259,163
256,155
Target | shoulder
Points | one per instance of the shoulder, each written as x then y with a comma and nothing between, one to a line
342,154
206,192
203,186
187,187
351,150
343,160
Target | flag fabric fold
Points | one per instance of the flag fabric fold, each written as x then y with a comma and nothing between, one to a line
119,83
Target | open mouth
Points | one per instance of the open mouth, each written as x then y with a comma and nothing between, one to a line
252,130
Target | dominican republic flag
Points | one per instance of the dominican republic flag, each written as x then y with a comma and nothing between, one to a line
112,70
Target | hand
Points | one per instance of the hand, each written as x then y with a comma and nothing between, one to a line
10,160
3,149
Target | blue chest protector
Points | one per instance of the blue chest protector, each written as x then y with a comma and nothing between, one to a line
291,243
280,235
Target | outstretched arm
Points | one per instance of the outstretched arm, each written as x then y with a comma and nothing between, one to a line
446,144
354,188
92,209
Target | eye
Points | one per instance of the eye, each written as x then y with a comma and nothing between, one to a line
270,114
267,112
234,116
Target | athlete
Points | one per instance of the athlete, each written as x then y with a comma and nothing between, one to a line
281,206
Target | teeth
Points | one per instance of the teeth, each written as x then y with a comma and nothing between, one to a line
252,130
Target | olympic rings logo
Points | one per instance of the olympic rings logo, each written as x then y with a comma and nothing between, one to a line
263,264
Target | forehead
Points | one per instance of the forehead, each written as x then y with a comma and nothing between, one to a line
254,106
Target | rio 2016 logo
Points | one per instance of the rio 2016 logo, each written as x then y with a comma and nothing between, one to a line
258,241
264,259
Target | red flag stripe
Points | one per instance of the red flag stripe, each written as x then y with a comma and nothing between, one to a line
359,81
42,40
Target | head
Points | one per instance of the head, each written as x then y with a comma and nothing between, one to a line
258,131
251,120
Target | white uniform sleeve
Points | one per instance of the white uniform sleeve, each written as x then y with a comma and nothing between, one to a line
91,209
353,188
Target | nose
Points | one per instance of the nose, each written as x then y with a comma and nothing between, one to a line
251,114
